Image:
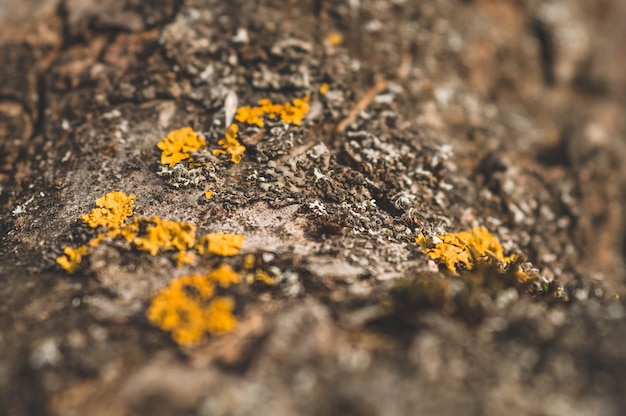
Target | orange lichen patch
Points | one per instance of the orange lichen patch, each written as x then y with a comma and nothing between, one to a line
95,242
184,257
324,88
290,113
218,318
209,194
128,231
231,145
225,276
293,113
112,210
248,261
221,244
180,308
334,38
250,115
72,257
464,249
187,308
179,144
166,235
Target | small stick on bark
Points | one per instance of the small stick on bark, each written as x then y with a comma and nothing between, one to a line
363,103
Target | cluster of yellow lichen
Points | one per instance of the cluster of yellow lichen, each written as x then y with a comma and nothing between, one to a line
290,113
179,144
230,145
220,243
188,309
111,215
466,249
111,212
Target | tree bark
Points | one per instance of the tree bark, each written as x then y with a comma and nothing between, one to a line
423,118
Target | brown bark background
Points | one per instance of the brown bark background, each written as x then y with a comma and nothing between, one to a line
504,113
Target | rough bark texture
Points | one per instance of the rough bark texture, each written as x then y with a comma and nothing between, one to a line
502,113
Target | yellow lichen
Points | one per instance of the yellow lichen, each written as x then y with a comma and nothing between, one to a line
219,317
221,244
231,145
180,308
264,277
166,235
324,88
250,115
225,276
112,210
290,113
187,309
184,257
209,194
72,257
248,261
464,248
334,38
179,144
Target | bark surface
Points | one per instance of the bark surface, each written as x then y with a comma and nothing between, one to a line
424,117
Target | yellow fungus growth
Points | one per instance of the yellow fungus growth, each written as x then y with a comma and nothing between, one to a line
220,244
209,194
324,88
166,235
334,38
112,210
290,113
462,249
225,276
187,309
231,145
72,257
178,145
